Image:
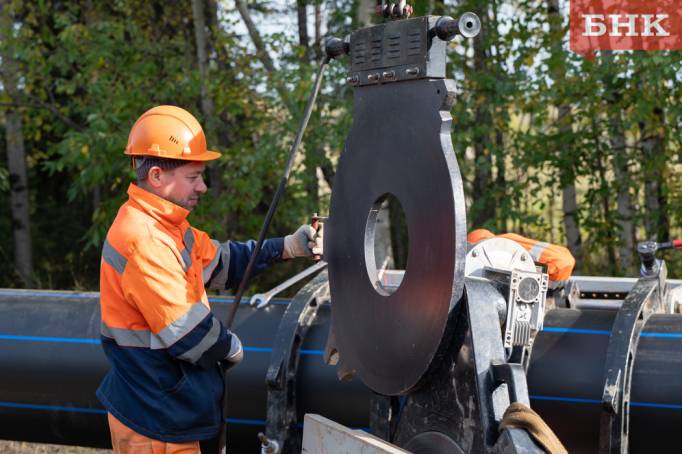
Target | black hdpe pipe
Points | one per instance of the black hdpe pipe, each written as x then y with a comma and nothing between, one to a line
566,380
51,364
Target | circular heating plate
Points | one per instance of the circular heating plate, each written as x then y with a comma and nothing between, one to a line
399,144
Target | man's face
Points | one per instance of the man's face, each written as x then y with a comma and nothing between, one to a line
183,185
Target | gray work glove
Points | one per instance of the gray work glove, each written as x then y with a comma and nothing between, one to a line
235,355
304,242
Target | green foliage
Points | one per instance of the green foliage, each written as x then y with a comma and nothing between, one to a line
544,118
530,119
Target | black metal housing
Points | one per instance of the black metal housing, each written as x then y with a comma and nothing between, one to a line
396,51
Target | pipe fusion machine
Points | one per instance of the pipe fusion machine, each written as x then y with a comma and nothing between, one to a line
431,356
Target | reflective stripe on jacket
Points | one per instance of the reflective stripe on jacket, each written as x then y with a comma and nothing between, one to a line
558,259
158,332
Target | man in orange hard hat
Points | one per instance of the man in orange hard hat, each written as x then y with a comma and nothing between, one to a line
164,390
558,260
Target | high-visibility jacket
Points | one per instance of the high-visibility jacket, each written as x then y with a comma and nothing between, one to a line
558,259
162,340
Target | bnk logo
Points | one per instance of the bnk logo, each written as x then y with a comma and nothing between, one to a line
625,25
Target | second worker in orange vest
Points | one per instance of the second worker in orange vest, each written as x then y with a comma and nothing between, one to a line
558,260
165,386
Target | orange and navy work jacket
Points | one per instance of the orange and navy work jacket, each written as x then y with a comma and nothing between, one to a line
158,332
558,260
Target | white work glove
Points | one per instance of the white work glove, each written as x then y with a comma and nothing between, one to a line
236,353
317,246
304,242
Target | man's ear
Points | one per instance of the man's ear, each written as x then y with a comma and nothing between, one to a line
154,176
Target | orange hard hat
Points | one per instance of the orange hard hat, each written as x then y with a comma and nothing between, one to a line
169,132
479,235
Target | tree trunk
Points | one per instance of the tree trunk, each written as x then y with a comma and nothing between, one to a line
569,195
657,223
324,163
621,171
207,105
21,221
302,15
16,156
606,208
365,11
572,230
261,50
311,154
564,125
500,180
262,53
551,207
319,52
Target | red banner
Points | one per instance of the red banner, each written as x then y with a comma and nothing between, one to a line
625,25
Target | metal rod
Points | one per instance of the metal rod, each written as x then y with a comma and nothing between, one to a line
278,194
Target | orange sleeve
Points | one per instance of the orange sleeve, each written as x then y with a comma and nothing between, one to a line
558,259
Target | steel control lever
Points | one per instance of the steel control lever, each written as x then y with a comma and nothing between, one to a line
647,254
334,48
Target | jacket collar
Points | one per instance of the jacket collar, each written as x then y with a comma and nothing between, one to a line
157,207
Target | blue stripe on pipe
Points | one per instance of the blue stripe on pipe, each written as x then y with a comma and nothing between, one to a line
257,349
668,335
64,340
607,333
58,294
644,404
245,422
576,331
262,422
565,399
269,350
98,411
245,300
74,340
595,401
102,411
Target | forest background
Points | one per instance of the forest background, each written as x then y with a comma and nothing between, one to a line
579,152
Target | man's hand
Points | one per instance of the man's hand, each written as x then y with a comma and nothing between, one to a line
235,355
304,242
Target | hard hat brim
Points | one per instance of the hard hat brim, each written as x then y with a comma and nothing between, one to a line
206,156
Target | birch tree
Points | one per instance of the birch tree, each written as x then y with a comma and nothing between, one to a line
16,154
